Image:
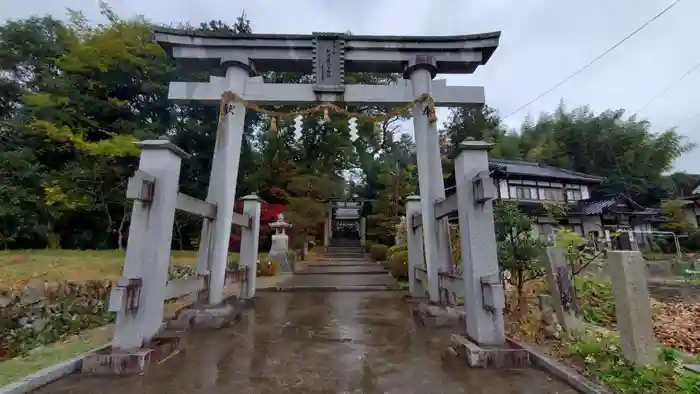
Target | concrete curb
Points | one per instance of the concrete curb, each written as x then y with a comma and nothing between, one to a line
564,373
48,375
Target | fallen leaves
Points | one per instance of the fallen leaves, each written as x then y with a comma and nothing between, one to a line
677,325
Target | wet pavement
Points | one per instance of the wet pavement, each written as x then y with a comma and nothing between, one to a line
318,342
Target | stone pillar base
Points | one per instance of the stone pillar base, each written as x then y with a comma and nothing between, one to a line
209,316
431,315
507,356
414,300
113,362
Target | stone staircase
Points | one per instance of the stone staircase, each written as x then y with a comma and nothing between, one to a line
342,267
343,254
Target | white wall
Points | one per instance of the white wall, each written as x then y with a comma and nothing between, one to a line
585,193
591,223
503,188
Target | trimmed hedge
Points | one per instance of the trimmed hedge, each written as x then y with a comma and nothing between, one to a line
394,249
266,268
398,264
378,252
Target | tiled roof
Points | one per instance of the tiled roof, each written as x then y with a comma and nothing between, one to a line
539,170
597,206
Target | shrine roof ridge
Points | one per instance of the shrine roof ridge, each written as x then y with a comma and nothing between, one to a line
269,36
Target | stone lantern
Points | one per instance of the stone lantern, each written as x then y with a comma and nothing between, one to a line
280,245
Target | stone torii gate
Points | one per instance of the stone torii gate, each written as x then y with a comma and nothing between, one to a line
235,61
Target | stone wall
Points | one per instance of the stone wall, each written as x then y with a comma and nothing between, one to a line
41,313
37,313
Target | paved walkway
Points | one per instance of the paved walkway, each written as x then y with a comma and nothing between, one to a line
318,343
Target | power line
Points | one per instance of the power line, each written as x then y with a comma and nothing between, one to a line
668,87
686,120
575,73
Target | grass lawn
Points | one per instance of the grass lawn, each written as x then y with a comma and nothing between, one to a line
40,358
75,265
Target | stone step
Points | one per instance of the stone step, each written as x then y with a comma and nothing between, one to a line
340,288
331,260
364,269
331,251
343,264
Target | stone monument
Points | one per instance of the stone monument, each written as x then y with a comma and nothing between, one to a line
280,245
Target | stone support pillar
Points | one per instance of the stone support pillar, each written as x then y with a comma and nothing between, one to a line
421,71
483,290
222,183
327,226
363,230
561,288
250,238
628,278
148,249
414,244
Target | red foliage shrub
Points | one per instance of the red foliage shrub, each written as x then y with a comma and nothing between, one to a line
268,214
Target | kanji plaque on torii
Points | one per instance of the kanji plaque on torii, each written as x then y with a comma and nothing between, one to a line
329,62
236,59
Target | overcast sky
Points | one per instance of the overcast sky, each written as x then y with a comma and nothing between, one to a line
542,42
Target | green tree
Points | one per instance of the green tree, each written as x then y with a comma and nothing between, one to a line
518,249
625,151
25,156
395,184
306,204
675,217
683,184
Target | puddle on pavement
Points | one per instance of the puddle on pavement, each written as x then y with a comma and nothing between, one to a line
321,343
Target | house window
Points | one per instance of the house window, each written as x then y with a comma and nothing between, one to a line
523,193
553,194
511,192
573,195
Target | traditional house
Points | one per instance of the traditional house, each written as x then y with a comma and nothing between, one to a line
537,187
